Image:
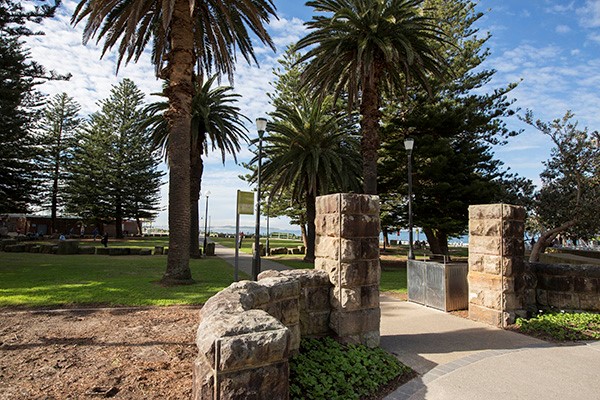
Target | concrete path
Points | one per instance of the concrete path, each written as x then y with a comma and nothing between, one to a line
245,260
458,358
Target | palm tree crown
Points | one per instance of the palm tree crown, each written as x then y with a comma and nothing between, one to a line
310,151
219,29
365,47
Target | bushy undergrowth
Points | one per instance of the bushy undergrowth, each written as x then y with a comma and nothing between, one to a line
562,326
325,369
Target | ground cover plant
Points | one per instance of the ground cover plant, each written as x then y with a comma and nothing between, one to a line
562,326
325,369
41,280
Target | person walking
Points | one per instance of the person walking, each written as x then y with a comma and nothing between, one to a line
104,240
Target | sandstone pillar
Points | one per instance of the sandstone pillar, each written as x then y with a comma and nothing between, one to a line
496,265
347,248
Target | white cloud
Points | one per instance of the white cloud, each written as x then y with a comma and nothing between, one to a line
594,37
589,14
562,29
561,8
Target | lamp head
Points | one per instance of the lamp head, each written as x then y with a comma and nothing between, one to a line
409,143
261,125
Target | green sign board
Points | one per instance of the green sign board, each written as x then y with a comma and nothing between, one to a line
245,202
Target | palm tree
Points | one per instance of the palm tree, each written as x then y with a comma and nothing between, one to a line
216,123
186,35
365,48
310,151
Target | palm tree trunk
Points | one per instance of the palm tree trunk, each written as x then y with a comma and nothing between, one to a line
369,109
311,213
180,92
197,167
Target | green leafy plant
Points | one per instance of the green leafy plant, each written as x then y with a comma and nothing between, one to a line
326,369
562,326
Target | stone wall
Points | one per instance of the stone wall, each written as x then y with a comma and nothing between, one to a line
567,286
347,248
248,331
498,289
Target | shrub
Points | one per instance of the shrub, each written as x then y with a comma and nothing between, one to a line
325,369
562,326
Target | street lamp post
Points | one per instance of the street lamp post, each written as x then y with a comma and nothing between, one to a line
261,126
205,224
267,240
409,144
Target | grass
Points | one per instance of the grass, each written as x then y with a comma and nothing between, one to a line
40,280
562,326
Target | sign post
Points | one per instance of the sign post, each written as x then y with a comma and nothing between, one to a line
245,205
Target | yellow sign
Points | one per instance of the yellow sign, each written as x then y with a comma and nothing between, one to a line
245,202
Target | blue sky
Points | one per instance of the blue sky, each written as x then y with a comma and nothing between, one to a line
551,47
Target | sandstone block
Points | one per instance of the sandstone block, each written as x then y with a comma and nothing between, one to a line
240,340
589,302
267,382
542,297
281,287
355,273
355,322
369,296
485,227
328,204
346,298
316,298
327,247
485,315
359,249
159,250
287,311
204,380
490,264
315,324
563,300
486,298
490,245
358,226
295,337
327,225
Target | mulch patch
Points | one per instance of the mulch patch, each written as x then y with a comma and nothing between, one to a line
127,353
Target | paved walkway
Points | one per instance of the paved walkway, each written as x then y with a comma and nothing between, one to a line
457,358
245,260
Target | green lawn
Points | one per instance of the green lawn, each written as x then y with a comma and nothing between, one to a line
35,280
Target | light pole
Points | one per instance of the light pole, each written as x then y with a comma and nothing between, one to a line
268,209
205,223
261,126
409,144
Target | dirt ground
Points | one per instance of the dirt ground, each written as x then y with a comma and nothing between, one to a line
121,353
